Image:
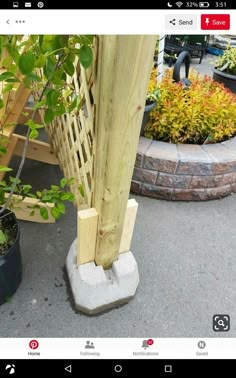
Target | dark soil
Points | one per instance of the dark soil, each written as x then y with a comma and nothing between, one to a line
9,229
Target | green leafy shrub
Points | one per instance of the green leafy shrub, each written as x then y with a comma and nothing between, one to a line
203,113
227,61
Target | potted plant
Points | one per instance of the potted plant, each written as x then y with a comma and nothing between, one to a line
41,63
10,257
225,69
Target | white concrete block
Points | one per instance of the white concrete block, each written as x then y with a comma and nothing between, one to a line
95,289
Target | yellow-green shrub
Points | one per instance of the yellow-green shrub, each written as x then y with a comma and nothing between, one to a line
203,113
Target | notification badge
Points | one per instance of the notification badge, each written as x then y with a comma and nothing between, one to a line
33,344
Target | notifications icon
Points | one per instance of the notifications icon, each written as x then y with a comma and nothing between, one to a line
33,344
147,343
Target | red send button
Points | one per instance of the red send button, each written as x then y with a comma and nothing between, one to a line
215,21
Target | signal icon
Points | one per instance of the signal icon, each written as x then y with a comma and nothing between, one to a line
179,4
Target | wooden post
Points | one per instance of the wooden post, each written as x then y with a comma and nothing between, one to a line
87,229
124,66
128,226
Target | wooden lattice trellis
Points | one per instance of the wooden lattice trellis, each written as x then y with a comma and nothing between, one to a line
73,139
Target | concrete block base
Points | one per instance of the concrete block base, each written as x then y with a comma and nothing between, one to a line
95,289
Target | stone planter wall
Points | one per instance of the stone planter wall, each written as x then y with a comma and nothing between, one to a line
185,172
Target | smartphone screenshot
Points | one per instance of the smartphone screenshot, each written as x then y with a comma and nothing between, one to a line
117,189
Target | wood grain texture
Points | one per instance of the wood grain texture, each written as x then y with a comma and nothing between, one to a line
123,73
37,150
128,227
86,233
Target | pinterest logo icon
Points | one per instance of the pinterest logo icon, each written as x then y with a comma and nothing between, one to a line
33,344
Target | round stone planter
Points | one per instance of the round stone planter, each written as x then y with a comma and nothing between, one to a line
228,80
185,172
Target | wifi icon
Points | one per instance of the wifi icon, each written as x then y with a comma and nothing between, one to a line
179,4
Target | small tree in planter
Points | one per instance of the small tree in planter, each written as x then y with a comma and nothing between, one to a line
42,64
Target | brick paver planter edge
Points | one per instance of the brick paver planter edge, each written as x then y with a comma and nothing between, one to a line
185,172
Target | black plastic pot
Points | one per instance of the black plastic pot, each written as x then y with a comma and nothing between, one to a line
148,108
10,266
228,80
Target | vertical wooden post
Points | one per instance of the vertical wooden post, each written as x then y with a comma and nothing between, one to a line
124,68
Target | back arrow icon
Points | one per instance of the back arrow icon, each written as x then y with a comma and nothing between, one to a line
68,368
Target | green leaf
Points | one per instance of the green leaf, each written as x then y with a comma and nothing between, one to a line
70,181
33,77
3,150
34,134
6,75
4,169
7,88
72,105
69,67
26,63
31,195
55,187
61,207
12,80
60,109
52,97
59,77
85,56
81,190
60,41
63,183
3,237
13,180
86,39
55,198
68,197
44,213
26,188
1,103
2,196
32,213
46,197
39,104
49,68
55,212
32,125
40,61
45,42
49,115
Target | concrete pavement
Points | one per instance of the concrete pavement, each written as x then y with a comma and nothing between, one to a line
187,265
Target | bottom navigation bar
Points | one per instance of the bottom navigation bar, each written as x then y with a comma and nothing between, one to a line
115,368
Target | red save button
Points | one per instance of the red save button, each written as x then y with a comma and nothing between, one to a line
215,21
